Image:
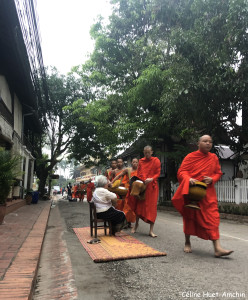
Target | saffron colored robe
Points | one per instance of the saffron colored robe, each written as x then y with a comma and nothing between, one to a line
90,188
108,174
129,213
81,191
74,192
124,179
203,223
147,209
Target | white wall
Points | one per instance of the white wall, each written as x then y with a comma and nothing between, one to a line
5,93
227,169
17,116
6,129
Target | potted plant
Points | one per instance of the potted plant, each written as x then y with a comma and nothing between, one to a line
8,171
29,196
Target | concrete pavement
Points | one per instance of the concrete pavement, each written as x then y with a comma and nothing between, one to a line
21,242
21,239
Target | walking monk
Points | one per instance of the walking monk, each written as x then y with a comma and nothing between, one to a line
202,166
130,172
149,172
82,191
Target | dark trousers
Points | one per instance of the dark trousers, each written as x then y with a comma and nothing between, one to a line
113,215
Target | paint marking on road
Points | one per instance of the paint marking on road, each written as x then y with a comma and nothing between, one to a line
222,234
234,237
166,220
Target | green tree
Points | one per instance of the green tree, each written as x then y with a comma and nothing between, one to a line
9,171
59,126
169,68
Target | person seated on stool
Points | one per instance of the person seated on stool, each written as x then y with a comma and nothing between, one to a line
105,201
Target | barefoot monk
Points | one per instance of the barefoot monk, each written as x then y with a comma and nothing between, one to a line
148,172
200,165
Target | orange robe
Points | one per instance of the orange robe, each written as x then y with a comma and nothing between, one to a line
108,174
90,188
129,213
147,209
203,223
124,179
81,193
74,192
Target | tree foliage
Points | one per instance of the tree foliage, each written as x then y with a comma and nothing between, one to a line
170,69
59,126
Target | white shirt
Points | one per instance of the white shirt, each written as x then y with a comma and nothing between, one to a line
102,199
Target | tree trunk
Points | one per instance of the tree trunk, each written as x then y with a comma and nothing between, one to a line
43,178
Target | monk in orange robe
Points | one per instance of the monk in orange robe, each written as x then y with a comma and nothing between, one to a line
124,180
148,171
82,191
90,188
201,166
74,191
129,172
110,172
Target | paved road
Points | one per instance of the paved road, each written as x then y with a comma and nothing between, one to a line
178,275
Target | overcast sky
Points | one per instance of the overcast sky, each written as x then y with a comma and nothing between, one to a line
64,28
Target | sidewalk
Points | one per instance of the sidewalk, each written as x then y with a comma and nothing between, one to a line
21,238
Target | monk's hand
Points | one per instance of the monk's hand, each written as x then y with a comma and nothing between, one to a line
148,180
207,180
192,181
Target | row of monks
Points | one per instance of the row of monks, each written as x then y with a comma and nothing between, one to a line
147,170
199,166
78,191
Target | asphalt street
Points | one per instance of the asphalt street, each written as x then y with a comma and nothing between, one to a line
198,275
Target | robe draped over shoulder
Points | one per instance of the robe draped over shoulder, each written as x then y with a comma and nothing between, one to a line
203,223
147,209
124,180
74,191
130,215
90,188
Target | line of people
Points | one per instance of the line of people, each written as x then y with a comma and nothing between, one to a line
200,165
147,170
78,191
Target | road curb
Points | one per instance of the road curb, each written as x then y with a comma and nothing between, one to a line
19,280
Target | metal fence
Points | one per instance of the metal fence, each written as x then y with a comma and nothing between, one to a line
229,191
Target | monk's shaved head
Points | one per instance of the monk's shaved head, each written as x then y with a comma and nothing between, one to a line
148,151
205,143
205,136
148,148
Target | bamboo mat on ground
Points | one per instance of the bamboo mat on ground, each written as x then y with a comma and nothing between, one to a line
119,247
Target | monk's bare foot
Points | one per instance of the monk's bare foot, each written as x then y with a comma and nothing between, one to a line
152,234
222,252
187,248
134,229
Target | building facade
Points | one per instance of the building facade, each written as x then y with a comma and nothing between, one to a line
19,90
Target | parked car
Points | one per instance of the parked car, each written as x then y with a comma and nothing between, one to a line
56,190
